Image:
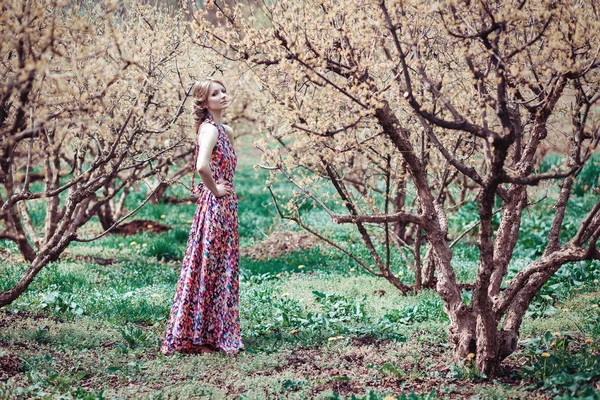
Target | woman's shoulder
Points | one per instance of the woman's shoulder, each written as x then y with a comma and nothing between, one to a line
228,129
207,127
207,132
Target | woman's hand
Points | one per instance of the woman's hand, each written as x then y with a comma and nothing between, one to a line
224,188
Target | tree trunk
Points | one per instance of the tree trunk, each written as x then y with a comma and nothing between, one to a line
26,250
105,215
461,333
417,265
489,350
23,244
399,202
429,272
159,194
42,259
490,353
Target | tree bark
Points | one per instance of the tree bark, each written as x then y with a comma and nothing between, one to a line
105,215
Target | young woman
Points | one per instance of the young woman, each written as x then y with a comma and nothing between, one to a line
204,315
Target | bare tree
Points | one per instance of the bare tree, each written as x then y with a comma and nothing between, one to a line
91,100
401,111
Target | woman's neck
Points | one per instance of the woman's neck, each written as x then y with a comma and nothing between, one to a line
217,117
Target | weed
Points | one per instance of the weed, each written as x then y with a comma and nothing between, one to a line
59,303
464,370
392,370
371,395
561,286
561,366
134,336
550,162
591,321
340,309
54,385
589,177
41,335
293,385
164,250
425,310
169,246
245,276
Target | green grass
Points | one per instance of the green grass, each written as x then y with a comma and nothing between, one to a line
115,341
314,324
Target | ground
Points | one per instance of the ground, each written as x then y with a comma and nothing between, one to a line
313,323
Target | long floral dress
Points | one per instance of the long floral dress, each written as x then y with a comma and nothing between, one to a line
205,308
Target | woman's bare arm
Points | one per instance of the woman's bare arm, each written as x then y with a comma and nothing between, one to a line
207,139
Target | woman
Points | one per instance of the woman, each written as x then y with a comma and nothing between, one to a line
204,316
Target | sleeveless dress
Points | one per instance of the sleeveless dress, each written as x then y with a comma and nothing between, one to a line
205,308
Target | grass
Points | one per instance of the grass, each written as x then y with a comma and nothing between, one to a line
116,349
314,325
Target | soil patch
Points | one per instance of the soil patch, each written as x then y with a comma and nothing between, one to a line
95,260
340,385
369,340
180,200
140,225
8,318
9,366
280,243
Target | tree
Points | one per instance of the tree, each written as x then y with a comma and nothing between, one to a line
403,108
91,101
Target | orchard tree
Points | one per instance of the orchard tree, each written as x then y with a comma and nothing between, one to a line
399,111
91,101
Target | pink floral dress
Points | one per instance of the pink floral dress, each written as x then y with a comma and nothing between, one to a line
205,308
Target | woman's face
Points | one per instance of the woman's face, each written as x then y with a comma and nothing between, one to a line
217,97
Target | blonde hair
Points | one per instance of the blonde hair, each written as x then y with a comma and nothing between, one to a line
200,95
